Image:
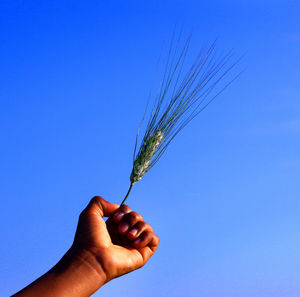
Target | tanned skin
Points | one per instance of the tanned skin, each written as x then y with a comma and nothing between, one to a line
101,251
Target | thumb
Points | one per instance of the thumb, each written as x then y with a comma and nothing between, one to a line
101,207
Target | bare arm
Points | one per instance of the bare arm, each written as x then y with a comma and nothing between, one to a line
101,251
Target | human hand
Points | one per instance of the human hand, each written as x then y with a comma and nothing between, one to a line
123,243
100,252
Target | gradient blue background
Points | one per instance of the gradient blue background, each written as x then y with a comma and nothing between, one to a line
224,199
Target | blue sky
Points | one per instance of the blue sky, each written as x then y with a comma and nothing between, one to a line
224,199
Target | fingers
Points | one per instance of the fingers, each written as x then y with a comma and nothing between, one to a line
149,250
101,207
121,212
137,229
129,220
144,239
132,225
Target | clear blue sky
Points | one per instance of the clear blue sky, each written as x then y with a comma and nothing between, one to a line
224,199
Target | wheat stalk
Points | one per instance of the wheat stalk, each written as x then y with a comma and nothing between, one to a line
181,97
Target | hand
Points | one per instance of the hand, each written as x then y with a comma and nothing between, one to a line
100,252
121,244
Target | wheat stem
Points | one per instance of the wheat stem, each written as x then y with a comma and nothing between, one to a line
131,184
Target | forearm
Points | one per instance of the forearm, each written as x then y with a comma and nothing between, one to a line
77,274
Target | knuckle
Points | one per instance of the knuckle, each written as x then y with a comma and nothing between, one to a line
136,216
148,227
140,225
125,208
96,199
129,218
148,234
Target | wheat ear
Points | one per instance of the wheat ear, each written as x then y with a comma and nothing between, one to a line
182,96
142,164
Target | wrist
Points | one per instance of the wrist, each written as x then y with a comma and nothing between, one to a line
77,274
80,268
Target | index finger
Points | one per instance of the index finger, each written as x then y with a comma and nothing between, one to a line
101,207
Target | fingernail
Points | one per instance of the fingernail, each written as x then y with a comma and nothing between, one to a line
133,232
118,216
123,227
138,241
